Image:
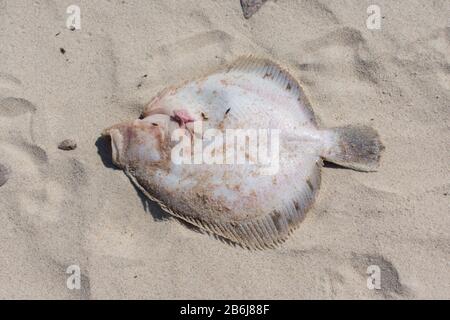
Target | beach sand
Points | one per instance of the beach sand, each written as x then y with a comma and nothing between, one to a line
61,208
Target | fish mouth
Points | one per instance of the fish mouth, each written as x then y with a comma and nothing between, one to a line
116,141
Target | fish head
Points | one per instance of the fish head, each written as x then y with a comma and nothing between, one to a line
139,142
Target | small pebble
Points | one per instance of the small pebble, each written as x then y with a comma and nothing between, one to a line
4,174
249,7
67,144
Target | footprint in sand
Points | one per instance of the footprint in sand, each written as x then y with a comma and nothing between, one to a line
49,187
9,82
13,107
4,174
352,47
205,48
28,161
21,122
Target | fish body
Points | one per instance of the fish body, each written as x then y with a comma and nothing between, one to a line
237,153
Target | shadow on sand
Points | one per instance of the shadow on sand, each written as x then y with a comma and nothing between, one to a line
103,145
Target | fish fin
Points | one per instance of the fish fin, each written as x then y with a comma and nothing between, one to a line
264,232
355,147
271,71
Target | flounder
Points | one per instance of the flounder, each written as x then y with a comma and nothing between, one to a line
251,201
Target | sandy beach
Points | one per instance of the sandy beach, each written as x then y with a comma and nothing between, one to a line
64,208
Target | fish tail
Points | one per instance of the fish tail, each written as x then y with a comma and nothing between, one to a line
355,147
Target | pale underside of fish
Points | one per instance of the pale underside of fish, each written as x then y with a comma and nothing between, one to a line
245,203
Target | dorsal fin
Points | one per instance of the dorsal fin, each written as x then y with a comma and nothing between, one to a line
271,71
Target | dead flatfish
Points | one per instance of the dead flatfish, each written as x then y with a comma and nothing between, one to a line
254,203
249,7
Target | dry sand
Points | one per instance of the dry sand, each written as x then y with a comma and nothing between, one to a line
61,208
